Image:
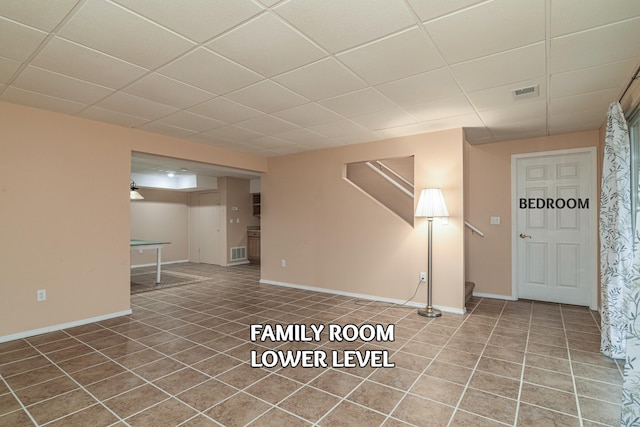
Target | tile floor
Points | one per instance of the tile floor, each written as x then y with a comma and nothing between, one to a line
183,358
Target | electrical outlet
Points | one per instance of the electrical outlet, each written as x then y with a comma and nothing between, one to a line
41,295
284,263
423,276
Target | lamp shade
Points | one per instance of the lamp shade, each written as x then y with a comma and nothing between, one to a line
431,204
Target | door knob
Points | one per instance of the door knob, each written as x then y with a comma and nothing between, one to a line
524,236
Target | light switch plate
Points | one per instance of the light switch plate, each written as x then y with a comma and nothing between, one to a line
495,220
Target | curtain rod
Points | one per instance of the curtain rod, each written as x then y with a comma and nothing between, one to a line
635,77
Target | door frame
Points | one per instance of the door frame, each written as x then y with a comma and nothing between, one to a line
593,219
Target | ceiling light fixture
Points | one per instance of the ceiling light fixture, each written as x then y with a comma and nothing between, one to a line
133,194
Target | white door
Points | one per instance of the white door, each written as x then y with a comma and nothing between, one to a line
208,233
554,225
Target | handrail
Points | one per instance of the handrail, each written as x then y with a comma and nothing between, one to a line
396,174
474,229
391,180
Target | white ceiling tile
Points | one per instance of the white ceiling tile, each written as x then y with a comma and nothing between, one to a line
608,76
308,115
266,125
232,133
164,129
567,17
300,135
588,101
210,71
515,65
339,128
468,120
191,121
488,28
269,142
430,9
399,131
360,102
384,119
109,116
88,64
502,96
7,68
440,108
401,55
356,138
38,100
200,20
595,47
269,3
421,88
528,117
52,84
225,110
165,90
24,40
36,13
268,97
573,121
135,106
333,23
113,30
266,45
323,79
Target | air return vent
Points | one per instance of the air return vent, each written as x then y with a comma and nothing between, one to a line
239,253
525,92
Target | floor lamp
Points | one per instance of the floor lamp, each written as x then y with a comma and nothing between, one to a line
431,205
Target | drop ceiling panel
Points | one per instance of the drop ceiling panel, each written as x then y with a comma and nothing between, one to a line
378,19
609,76
266,45
24,40
60,86
118,32
165,129
88,64
567,18
165,90
308,115
232,133
266,125
488,28
401,55
576,121
109,116
584,102
441,108
421,88
39,100
595,47
359,102
135,106
198,20
384,119
267,96
48,15
502,96
225,110
321,80
210,71
430,9
514,65
191,121
7,68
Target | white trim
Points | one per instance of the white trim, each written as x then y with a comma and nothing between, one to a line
593,217
494,296
362,296
67,325
231,264
164,263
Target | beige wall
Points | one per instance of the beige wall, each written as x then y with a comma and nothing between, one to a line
162,215
333,236
64,219
488,193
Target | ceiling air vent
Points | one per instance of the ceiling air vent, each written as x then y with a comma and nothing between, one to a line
525,92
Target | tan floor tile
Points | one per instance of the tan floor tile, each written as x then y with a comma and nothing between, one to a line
96,416
529,415
550,363
167,413
298,403
242,376
376,396
140,358
180,381
456,357
438,389
501,353
115,385
216,364
158,368
599,411
16,419
136,400
336,382
423,412
97,373
277,418
548,379
349,414
466,419
200,421
14,368
549,398
29,378
61,406
194,355
399,378
10,346
446,371
489,406
82,362
238,410
598,390
495,384
207,394
273,388
8,403
46,390
592,372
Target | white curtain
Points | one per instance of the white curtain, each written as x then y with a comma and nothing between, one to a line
616,235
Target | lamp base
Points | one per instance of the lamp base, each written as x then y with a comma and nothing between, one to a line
429,311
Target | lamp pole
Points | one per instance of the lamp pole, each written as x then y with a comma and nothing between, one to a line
429,311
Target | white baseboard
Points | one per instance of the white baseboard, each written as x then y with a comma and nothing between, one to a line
54,328
246,261
361,296
493,296
162,263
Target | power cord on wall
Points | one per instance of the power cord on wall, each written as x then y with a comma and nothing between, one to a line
386,304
